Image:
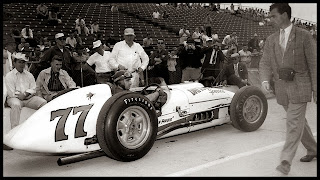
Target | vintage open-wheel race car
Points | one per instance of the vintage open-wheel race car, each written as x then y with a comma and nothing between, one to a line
91,122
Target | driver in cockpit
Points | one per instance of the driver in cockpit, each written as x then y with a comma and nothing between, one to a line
122,82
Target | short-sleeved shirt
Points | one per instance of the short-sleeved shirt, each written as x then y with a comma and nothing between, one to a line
101,62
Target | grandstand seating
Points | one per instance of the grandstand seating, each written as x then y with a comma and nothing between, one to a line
135,15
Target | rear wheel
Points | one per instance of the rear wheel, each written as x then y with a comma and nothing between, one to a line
248,108
127,126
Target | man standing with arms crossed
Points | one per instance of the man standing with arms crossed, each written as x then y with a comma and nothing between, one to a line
290,55
129,55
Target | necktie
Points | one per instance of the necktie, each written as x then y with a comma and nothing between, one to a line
236,70
282,41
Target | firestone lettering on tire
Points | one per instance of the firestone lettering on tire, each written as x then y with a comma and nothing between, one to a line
129,100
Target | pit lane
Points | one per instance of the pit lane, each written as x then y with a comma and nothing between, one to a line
217,151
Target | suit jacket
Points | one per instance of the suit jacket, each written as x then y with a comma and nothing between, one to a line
242,70
301,55
208,52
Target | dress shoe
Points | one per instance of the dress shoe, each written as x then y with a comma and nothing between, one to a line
5,147
284,167
308,158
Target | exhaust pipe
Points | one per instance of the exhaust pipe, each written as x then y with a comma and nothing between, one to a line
80,157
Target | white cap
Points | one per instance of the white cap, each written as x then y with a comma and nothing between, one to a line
209,39
129,31
96,44
20,56
235,55
255,34
59,35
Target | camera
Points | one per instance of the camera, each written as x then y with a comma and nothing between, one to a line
286,74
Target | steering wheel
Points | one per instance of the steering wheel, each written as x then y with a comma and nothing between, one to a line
144,90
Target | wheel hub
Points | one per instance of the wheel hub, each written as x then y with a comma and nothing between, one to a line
133,127
252,109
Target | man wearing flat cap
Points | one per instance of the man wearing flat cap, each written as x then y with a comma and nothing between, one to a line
129,55
60,50
54,81
236,73
213,61
21,89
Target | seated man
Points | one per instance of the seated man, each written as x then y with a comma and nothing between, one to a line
54,81
122,82
21,89
236,73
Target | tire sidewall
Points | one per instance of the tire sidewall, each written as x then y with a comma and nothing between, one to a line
107,123
236,108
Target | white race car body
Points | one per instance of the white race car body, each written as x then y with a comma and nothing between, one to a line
67,122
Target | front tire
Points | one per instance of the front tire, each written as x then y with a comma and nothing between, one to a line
248,109
127,126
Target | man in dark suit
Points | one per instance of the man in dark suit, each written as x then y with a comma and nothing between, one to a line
236,73
213,62
291,49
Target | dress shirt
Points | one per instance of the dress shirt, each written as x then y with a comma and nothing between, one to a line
213,57
130,57
20,82
25,35
286,35
236,69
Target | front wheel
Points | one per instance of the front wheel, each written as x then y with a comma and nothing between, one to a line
248,108
127,126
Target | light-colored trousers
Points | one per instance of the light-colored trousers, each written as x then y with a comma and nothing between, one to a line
16,105
297,130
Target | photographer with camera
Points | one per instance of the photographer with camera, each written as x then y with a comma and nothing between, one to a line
290,55
190,58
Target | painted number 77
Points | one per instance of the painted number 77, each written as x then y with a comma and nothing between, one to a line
64,114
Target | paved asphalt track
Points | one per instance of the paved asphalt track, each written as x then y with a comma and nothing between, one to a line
217,151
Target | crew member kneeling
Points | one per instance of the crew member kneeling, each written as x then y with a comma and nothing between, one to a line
236,73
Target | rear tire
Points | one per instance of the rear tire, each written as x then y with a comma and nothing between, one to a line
127,126
248,109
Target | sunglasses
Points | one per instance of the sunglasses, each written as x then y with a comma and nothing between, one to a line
160,42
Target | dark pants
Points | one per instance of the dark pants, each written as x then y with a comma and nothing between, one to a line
87,77
32,42
148,50
160,71
103,78
235,80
